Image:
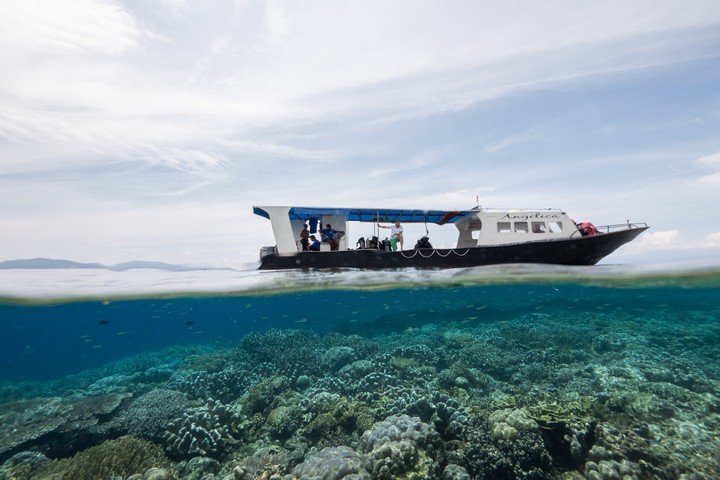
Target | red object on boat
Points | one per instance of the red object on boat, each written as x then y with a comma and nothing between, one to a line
588,228
447,216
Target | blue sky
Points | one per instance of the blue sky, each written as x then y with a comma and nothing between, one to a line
146,130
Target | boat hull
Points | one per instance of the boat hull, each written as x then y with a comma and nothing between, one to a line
575,251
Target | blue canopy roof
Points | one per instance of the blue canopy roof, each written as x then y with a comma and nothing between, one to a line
440,217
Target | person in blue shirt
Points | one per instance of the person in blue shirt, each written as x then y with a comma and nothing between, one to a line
314,244
328,235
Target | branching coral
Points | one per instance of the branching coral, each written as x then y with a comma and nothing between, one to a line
208,430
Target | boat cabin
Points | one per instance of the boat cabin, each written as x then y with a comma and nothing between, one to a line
476,227
507,226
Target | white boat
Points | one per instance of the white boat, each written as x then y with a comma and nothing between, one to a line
486,236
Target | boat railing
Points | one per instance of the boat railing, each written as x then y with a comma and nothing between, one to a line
620,226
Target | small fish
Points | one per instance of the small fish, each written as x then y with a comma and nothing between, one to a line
121,333
103,322
189,323
97,346
301,321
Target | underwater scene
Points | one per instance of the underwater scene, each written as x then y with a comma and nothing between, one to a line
478,374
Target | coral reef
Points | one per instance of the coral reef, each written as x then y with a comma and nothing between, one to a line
332,463
401,444
527,395
54,425
455,472
198,468
24,465
225,385
208,430
504,452
337,357
148,415
122,457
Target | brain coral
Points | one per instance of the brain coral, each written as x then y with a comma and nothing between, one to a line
401,444
333,463
149,415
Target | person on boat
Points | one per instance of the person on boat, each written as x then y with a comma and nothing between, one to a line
396,233
304,235
314,245
328,234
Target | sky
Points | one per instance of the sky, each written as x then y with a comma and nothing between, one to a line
148,129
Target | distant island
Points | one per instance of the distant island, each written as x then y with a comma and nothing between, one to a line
53,263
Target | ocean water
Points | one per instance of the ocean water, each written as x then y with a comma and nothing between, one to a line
497,372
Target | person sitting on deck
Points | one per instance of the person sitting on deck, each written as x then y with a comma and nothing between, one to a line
330,235
396,234
314,245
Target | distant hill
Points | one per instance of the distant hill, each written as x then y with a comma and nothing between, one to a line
33,263
53,263
157,265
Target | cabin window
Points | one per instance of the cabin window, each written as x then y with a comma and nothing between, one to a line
538,227
555,227
521,227
504,227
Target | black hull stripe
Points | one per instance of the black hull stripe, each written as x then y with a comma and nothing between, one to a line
577,251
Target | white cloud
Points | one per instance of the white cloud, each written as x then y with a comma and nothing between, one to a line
709,160
190,160
712,240
509,141
712,180
671,240
654,241
660,240
40,28
95,77
413,164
